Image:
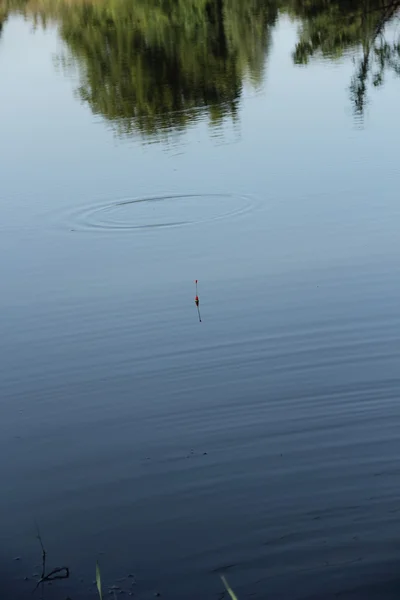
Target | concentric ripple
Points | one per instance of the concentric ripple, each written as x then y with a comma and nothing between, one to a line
165,211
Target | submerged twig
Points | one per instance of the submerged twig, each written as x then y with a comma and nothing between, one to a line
53,575
39,537
57,573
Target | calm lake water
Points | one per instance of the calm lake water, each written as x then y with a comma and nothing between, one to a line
254,147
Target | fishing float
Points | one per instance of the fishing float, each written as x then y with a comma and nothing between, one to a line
197,301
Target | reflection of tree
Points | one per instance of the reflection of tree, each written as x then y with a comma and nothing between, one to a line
333,28
3,17
153,64
248,27
6,6
378,56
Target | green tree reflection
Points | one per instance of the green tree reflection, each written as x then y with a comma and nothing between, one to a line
332,29
3,17
154,65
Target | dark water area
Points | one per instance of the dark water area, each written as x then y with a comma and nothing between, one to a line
252,146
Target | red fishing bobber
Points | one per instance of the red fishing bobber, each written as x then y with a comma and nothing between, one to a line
197,301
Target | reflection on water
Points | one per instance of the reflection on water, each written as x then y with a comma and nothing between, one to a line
152,66
333,28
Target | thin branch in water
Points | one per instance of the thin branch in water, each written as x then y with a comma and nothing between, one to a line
57,573
39,537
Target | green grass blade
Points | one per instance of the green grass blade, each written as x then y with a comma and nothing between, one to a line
228,588
98,580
